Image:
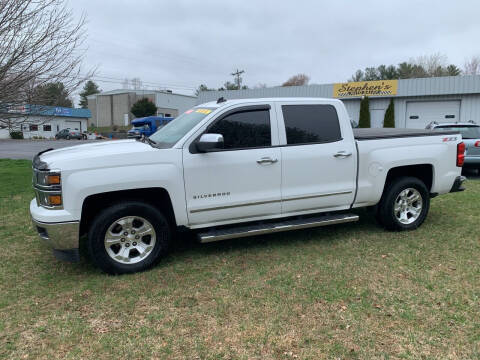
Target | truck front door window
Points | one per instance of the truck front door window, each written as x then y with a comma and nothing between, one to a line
244,129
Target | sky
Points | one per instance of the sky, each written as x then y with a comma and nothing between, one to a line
179,44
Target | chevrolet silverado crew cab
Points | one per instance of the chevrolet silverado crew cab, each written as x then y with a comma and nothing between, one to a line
236,168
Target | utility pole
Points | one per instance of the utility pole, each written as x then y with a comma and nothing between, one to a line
238,79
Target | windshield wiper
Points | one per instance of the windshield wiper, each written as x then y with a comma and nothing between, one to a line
147,140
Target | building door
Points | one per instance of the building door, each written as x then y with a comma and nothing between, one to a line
376,118
421,113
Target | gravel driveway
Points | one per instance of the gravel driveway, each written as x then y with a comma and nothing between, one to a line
26,149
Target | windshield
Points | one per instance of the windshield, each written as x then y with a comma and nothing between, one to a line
168,135
468,132
140,126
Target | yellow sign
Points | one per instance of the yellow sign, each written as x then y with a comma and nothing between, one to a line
365,88
204,111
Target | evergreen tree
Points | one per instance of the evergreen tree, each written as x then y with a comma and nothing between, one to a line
51,94
389,120
143,107
364,121
89,88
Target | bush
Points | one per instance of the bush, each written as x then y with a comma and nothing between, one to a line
115,127
389,120
16,134
364,121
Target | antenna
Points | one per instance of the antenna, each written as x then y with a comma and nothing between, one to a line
221,100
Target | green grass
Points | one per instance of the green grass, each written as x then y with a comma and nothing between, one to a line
344,292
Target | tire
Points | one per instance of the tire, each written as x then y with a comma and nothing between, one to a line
67,137
398,210
135,252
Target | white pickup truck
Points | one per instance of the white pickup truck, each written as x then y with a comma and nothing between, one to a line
236,168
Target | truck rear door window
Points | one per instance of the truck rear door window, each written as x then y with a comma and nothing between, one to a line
309,124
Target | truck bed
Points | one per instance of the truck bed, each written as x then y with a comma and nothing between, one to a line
388,133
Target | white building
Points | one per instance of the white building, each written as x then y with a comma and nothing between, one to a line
46,121
113,107
417,102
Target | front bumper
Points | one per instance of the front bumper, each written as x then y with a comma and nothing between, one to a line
457,185
63,237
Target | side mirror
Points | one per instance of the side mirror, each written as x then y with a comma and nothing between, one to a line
209,142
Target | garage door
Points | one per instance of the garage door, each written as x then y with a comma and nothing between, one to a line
74,125
422,113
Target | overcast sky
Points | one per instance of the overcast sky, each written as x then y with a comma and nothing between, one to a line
181,44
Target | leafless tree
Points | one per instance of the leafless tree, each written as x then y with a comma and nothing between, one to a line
40,43
472,66
260,85
126,83
297,80
136,83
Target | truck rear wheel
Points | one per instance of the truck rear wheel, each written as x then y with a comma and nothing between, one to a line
404,204
128,237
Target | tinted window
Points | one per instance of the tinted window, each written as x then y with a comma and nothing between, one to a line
244,129
468,132
311,124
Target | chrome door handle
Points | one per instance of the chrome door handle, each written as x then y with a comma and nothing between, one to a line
266,160
342,154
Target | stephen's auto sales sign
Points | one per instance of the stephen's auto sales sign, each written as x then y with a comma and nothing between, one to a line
365,88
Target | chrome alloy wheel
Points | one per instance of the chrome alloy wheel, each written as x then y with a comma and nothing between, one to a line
408,206
130,239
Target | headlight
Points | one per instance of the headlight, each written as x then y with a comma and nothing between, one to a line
48,188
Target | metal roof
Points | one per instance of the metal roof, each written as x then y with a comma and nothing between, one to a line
43,110
447,85
137,92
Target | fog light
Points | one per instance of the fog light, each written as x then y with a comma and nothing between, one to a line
55,200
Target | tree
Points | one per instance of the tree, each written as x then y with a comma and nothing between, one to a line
358,76
387,72
143,107
201,88
472,66
364,121
453,70
297,80
421,67
89,88
389,119
39,45
51,94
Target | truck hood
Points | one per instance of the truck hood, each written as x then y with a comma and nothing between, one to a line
96,154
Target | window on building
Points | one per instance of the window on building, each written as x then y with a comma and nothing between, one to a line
33,127
47,127
307,124
244,129
168,115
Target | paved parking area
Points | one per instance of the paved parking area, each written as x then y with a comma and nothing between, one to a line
26,149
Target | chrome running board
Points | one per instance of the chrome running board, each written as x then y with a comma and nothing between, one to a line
274,227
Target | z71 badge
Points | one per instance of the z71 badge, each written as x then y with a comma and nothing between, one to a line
451,138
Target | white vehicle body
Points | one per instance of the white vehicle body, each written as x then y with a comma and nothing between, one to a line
237,186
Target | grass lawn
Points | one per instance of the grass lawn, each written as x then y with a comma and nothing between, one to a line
349,291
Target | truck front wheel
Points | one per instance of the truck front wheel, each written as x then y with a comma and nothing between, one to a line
128,237
404,204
